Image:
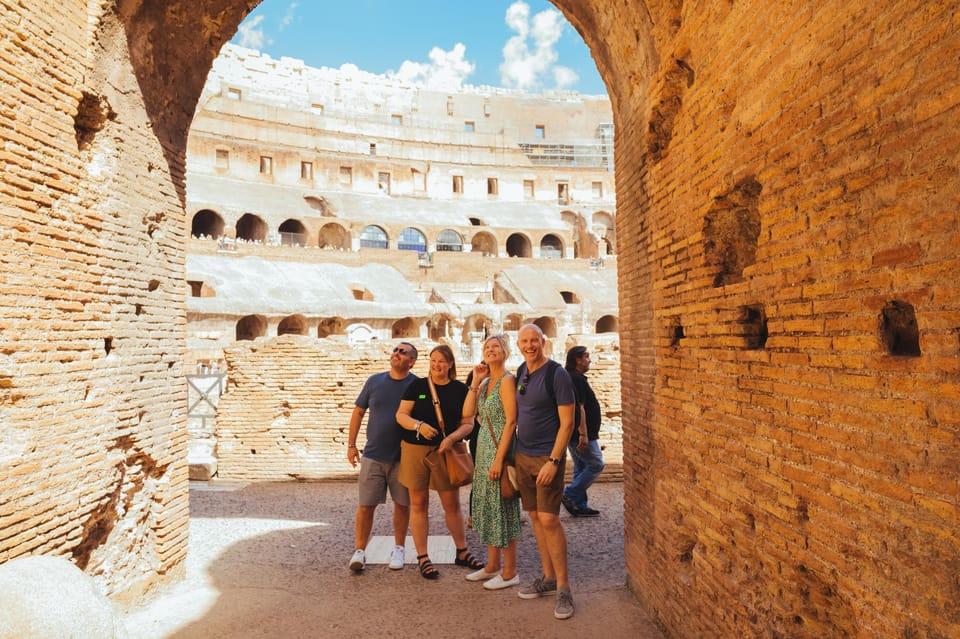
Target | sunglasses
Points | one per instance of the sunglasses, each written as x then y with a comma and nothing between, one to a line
400,350
522,388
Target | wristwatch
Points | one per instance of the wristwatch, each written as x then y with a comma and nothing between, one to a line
554,461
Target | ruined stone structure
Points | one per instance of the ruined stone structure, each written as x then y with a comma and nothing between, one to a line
787,243
338,203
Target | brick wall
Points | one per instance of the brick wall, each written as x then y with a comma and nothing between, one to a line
785,189
286,413
787,245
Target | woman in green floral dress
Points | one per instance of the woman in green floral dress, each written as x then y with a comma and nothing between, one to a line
496,520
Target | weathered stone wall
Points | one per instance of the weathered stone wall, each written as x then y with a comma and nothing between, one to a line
286,412
786,173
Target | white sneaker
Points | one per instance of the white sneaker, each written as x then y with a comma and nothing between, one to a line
396,558
481,575
359,561
499,583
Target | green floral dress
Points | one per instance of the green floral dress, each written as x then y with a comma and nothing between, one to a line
496,520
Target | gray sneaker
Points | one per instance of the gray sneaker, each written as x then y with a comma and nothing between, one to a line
540,586
564,609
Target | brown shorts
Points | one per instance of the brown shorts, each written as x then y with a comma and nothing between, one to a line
543,499
414,474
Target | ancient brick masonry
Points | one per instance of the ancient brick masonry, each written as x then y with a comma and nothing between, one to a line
286,412
791,404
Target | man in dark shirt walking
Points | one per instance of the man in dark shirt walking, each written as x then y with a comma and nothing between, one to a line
584,445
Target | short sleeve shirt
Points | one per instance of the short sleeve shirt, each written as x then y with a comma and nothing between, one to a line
380,397
451,396
537,420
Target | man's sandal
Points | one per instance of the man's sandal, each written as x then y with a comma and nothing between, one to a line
468,560
427,569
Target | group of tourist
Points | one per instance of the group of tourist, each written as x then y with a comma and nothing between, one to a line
530,420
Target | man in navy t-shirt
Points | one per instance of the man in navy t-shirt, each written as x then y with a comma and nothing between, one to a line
380,462
544,425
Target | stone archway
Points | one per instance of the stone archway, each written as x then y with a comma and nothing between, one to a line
772,456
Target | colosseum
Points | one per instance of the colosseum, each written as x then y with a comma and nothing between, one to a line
786,241
346,207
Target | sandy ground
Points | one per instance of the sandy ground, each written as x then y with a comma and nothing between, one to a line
270,560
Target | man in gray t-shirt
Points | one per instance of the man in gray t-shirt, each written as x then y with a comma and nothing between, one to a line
380,462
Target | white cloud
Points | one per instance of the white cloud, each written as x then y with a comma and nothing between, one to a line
524,67
250,34
446,69
288,16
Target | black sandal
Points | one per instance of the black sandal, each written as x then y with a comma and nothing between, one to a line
427,569
468,560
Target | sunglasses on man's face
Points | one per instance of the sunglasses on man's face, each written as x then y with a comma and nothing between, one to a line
400,350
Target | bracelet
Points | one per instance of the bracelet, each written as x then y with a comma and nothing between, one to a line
351,445
417,429
475,389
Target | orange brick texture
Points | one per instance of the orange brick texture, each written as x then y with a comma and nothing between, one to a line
286,412
788,254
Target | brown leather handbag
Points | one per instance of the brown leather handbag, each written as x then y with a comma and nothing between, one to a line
456,463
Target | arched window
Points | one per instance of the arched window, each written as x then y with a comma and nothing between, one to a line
251,228
449,240
405,327
206,223
551,247
333,236
518,246
608,324
373,237
485,244
412,240
293,233
251,327
293,325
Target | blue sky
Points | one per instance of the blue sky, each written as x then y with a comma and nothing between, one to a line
522,44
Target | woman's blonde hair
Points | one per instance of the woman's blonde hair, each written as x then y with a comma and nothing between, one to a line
504,344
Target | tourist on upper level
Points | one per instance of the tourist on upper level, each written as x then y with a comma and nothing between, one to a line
584,446
493,400
545,403
423,432
380,463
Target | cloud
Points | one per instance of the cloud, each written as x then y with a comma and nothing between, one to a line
530,56
288,16
250,34
446,69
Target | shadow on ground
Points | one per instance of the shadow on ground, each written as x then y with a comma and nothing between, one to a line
270,560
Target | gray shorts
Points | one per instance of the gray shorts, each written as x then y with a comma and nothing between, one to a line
374,479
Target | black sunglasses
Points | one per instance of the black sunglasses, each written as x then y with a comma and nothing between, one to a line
522,388
402,351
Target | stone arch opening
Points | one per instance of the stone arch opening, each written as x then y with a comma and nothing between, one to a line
484,243
551,247
412,239
207,223
292,325
405,327
373,237
328,326
607,324
251,327
333,236
292,233
449,240
251,228
518,245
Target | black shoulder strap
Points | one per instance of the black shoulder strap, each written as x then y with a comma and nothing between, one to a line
551,368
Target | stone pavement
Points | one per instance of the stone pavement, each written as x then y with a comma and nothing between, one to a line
270,560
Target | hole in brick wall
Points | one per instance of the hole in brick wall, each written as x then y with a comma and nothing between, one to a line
901,336
754,323
107,344
676,333
660,127
731,232
153,285
138,309
93,112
